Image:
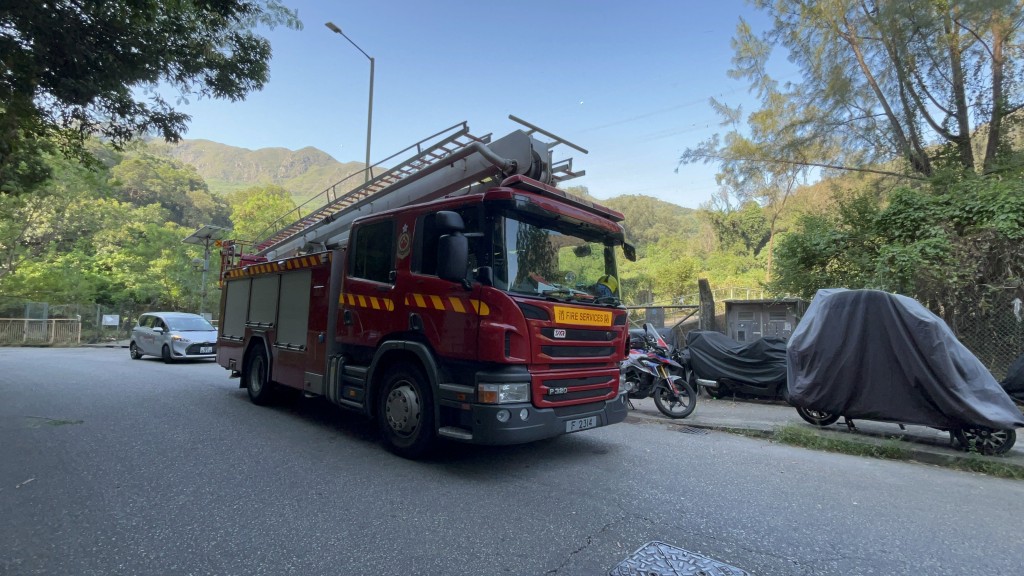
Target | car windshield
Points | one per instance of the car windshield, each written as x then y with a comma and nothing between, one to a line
536,258
189,324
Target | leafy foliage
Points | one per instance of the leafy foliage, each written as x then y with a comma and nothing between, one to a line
69,69
255,210
938,245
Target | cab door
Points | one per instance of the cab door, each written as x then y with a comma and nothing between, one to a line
367,300
447,313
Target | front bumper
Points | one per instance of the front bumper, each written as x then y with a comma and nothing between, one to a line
193,350
540,422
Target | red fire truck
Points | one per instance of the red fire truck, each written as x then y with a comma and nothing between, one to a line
458,295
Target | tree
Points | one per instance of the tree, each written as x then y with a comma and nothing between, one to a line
894,79
260,210
69,69
143,179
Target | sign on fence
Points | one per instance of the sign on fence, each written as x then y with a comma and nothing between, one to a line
111,319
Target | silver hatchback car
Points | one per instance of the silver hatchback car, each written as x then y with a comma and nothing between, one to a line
173,336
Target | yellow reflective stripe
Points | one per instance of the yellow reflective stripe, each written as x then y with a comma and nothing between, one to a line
389,305
373,302
438,304
362,300
351,300
419,300
457,304
481,308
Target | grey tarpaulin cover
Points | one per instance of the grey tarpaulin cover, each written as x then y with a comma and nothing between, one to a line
879,356
714,356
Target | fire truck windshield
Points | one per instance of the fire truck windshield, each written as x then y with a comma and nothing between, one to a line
544,259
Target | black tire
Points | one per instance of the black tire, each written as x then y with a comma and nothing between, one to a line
165,353
817,417
672,406
133,351
257,378
405,412
984,440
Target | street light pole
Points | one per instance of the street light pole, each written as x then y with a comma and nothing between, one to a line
369,113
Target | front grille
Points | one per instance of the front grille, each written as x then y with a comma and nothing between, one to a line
580,335
577,351
576,389
195,348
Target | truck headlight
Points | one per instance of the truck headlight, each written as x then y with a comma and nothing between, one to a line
503,393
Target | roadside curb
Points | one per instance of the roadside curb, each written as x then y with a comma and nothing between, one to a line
916,450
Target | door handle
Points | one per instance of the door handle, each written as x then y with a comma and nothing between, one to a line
346,317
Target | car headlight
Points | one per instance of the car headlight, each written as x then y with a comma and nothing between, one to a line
503,393
181,339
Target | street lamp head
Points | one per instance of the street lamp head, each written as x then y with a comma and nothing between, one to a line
333,27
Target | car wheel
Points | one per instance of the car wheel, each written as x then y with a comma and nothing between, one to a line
984,440
133,350
405,412
165,353
817,417
257,378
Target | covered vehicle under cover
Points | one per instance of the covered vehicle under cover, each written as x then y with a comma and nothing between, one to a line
879,356
1014,381
715,356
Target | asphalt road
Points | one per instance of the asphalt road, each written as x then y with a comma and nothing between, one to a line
114,466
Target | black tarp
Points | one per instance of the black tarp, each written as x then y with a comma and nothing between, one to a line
879,356
1014,381
715,356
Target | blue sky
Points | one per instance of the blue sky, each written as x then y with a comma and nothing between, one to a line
630,81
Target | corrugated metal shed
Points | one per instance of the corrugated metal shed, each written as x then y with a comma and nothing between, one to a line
748,320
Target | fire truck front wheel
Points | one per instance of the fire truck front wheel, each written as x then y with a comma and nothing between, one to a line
405,412
257,378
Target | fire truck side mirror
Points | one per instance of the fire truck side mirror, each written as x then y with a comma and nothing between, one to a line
453,257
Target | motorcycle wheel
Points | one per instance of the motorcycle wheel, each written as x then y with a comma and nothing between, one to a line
817,417
676,406
984,440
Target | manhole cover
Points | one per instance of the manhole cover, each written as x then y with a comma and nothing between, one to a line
660,559
692,430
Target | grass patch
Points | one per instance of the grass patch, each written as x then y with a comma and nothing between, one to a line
798,436
890,449
37,421
989,465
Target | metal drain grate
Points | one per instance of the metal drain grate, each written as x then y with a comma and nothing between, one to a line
692,430
660,559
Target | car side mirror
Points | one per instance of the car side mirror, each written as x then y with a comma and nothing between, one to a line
158,329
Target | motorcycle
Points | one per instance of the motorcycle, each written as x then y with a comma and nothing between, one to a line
649,371
725,367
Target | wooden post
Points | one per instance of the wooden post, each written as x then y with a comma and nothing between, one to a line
707,305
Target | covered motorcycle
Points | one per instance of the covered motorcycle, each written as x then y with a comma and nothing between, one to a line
725,366
878,356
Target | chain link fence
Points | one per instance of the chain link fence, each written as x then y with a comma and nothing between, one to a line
991,325
28,322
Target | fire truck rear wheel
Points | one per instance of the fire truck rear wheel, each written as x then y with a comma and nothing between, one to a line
405,412
257,378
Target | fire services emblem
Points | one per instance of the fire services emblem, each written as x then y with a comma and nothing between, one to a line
404,242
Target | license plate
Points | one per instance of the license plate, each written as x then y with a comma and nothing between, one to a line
206,350
582,316
580,424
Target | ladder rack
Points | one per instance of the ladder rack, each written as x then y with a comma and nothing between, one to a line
326,204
